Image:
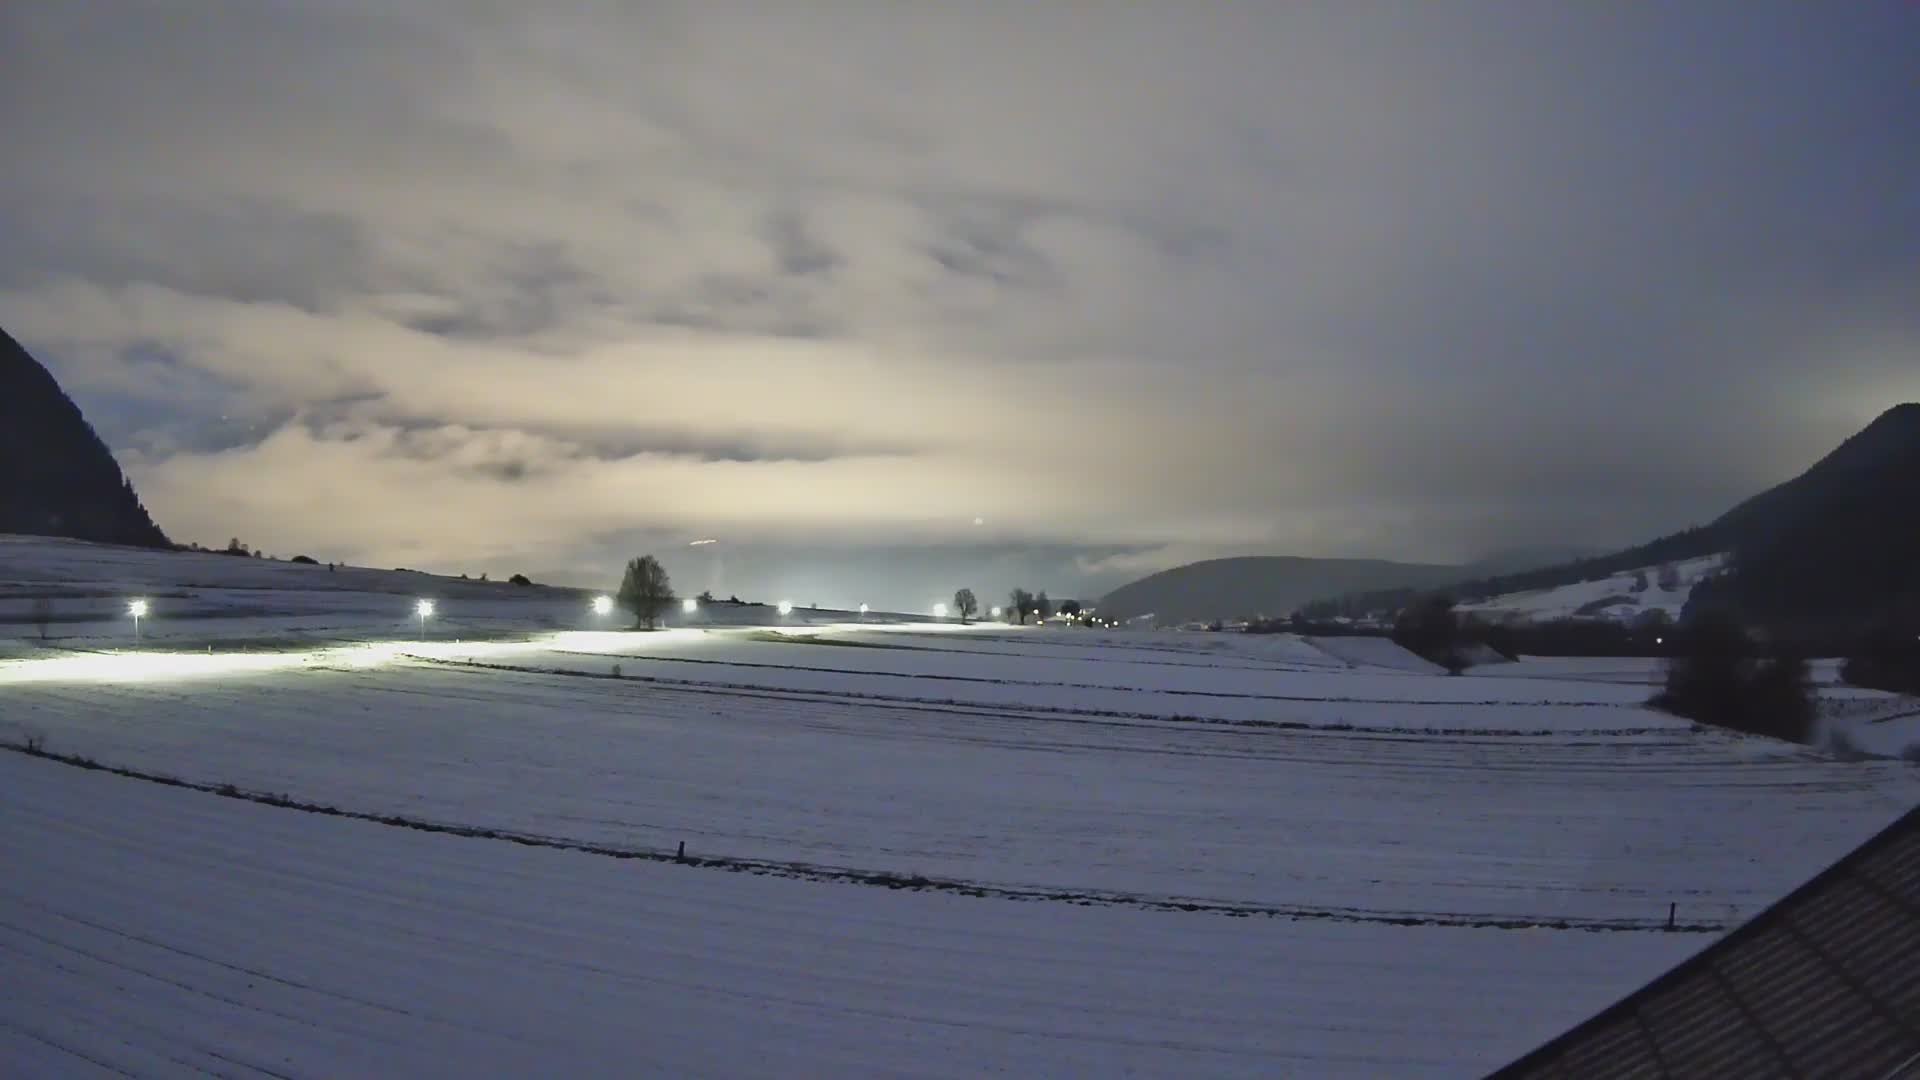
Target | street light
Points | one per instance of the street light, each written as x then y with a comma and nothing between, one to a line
863,609
994,611
690,605
786,607
137,609
939,611
423,609
603,605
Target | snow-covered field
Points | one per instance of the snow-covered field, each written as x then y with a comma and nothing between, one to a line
931,850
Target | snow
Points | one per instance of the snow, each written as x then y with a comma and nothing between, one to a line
1373,652
162,932
1327,788
200,598
1567,601
1873,721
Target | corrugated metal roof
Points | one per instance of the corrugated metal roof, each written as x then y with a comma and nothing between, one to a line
1825,983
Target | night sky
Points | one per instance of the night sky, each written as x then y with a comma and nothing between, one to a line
896,298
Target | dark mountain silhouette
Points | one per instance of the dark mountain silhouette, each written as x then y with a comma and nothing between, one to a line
1837,546
56,476
1257,585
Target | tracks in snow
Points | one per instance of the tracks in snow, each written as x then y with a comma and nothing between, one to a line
1230,695
853,697
911,882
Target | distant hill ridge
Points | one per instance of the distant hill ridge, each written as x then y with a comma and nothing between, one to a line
1255,585
1838,544
56,477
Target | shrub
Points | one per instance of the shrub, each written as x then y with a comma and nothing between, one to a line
1430,629
1889,660
305,560
1780,701
519,579
1715,678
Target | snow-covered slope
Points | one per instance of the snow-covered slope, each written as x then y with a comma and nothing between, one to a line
202,598
1623,597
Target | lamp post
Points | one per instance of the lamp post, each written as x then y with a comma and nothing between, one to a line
137,609
423,609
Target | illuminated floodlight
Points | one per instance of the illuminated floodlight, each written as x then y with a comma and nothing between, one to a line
424,611
690,605
863,609
939,611
137,609
786,607
994,611
603,605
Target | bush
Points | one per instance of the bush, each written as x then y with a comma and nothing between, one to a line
519,579
1430,629
1889,660
1715,678
305,560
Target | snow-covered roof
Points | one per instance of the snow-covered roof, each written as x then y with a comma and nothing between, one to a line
1820,984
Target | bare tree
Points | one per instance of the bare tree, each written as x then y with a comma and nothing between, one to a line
43,615
1042,606
966,604
1020,604
646,591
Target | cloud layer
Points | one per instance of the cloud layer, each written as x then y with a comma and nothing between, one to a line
464,287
